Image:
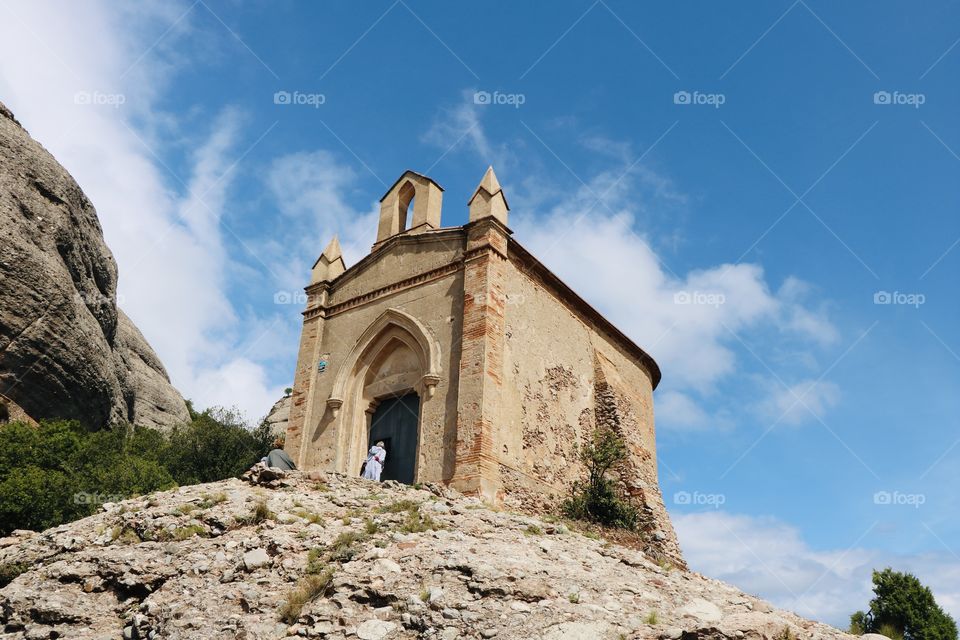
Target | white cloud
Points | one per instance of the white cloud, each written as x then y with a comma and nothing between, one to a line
169,247
311,189
769,558
695,321
797,318
800,402
460,126
681,411
691,321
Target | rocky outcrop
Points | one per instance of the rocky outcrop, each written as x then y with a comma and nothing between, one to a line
279,416
338,557
66,350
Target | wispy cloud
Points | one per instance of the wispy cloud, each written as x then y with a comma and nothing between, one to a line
164,225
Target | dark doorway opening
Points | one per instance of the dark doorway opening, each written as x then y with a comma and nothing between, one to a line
395,421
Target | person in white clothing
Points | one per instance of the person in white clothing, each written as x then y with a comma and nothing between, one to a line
374,464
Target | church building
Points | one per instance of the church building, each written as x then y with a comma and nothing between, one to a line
475,364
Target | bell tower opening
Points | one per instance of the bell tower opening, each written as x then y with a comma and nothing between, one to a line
405,202
411,205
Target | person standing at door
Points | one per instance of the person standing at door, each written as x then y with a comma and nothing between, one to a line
374,464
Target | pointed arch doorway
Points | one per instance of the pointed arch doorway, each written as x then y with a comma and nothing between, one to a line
378,394
395,421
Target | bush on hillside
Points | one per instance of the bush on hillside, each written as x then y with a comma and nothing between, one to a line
598,498
903,608
58,471
214,445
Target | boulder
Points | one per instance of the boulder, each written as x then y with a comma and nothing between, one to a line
279,416
66,350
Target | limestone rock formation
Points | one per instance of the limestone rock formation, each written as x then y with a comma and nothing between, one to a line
279,416
66,350
341,557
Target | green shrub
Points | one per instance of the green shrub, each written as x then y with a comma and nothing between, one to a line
214,445
59,471
598,498
903,609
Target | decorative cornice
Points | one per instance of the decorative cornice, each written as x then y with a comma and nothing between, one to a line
376,294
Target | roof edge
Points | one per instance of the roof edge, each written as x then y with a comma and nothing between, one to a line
404,175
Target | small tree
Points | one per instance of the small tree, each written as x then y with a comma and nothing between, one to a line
903,608
598,498
216,444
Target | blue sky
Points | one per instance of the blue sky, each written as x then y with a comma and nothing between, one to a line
736,185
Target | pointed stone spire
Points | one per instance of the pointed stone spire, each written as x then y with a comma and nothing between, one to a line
488,200
333,251
330,263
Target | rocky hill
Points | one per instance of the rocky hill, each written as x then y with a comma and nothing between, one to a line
337,557
66,350
279,416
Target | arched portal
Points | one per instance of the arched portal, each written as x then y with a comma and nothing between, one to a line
392,369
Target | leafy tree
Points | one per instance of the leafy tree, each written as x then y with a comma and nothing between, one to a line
598,498
57,472
903,608
214,445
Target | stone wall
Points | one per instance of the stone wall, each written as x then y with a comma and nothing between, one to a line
525,372
563,377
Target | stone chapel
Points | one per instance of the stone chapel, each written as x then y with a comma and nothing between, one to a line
475,364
